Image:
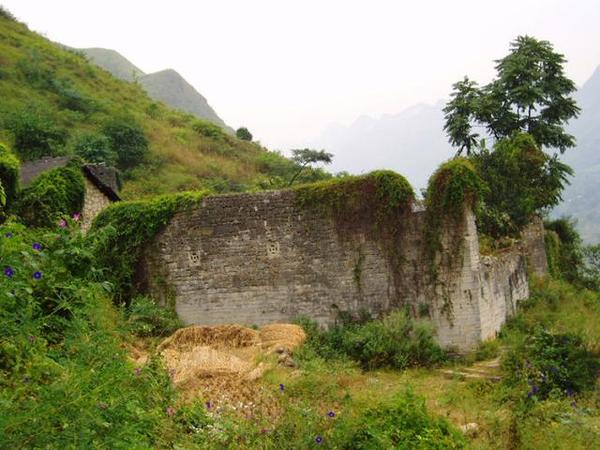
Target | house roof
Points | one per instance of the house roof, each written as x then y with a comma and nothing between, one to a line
104,178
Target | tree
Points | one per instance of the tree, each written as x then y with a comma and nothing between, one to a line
127,140
95,148
521,181
306,156
243,134
529,94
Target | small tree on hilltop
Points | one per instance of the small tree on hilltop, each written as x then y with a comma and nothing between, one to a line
530,94
306,156
243,134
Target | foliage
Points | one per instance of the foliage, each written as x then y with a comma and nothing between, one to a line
208,129
243,134
121,232
9,175
522,182
530,94
35,134
53,195
306,156
566,254
146,318
454,186
6,14
95,148
591,267
396,341
281,169
400,422
127,140
65,378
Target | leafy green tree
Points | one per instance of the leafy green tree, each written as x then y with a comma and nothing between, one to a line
304,157
522,181
529,94
243,134
35,134
127,140
95,148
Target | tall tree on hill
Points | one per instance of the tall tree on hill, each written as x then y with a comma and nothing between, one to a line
529,94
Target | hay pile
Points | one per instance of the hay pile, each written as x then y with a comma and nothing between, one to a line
221,363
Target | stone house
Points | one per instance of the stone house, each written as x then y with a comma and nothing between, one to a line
101,185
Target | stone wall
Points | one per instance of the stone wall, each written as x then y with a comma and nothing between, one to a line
258,258
95,201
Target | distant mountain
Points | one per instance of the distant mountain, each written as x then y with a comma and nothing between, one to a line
582,198
166,86
411,143
113,62
171,88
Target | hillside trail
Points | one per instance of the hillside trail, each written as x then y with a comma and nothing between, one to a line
222,364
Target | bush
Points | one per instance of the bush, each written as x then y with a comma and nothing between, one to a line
208,129
55,194
522,181
95,148
66,379
243,134
553,363
396,341
127,141
9,174
564,249
146,318
35,135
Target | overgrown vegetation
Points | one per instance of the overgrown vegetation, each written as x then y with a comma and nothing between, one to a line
146,318
52,196
121,232
9,175
396,342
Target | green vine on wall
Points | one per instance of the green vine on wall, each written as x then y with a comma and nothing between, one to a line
376,204
456,185
122,231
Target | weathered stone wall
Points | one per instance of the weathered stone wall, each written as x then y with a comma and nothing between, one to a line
258,258
95,201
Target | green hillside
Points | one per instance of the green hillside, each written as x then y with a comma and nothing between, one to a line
60,101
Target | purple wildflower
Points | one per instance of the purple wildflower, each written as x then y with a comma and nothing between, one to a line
76,217
137,371
170,411
8,235
331,414
9,272
318,439
208,405
31,339
553,369
264,430
37,246
569,392
281,387
62,223
37,275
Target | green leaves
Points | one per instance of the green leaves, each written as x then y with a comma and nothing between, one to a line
530,94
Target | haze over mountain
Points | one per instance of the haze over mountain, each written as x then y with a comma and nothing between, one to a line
413,143
167,86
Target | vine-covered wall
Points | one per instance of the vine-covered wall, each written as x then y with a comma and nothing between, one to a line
274,256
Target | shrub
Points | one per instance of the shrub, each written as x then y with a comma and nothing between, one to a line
95,148
66,379
146,318
55,194
396,341
522,180
243,134
9,174
127,141
208,129
553,363
565,249
35,134
401,422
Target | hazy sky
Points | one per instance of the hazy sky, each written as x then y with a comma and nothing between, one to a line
287,69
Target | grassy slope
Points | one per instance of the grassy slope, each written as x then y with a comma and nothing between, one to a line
180,158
